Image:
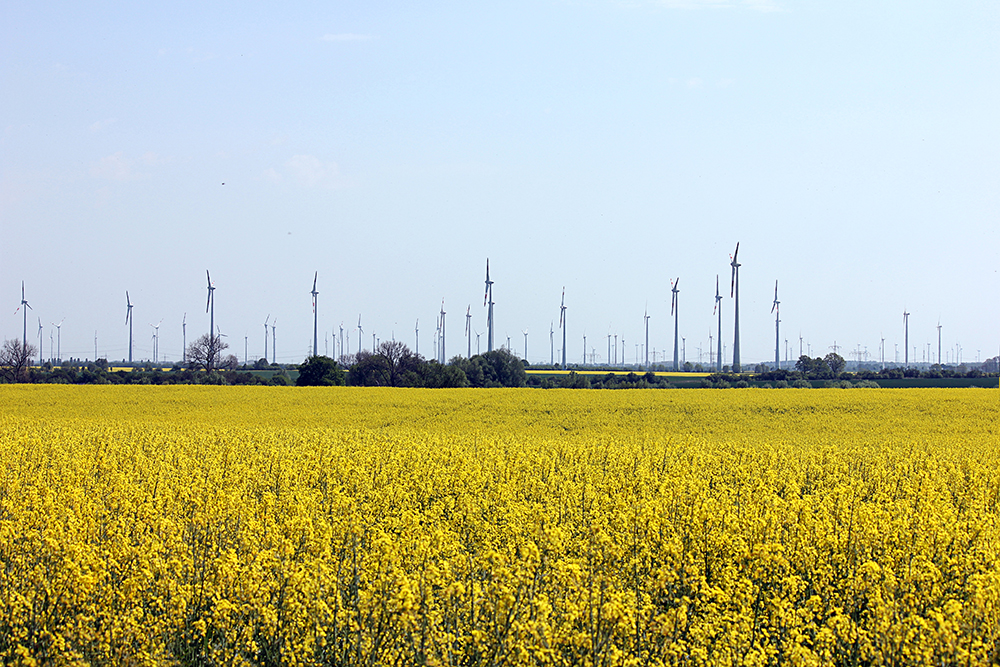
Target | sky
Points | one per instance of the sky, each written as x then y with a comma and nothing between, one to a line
598,146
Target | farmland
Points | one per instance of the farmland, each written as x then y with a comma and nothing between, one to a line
260,525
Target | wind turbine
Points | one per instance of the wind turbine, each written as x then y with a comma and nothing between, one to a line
184,337
274,339
775,308
341,339
718,299
562,325
59,338
525,332
315,315
210,304
939,342
906,339
266,320
552,345
416,334
361,335
128,321
488,300
675,311
442,354
39,341
645,320
477,341
24,304
156,340
734,291
468,328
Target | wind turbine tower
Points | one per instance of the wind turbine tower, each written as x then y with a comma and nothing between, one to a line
210,306
39,341
315,315
552,345
184,337
361,335
488,300
675,311
59,338
939,342
442,354
128,321
734,291
775,308
718,307
525,332
274,339
266,320
906,339
24,304
468,329
562,325
645,319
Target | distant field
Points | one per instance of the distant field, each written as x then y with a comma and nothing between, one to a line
317,526
662,374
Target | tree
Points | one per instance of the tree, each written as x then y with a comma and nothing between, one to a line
367,370
439,376
206,352
320,371
15,360
502,369
399,367
835,362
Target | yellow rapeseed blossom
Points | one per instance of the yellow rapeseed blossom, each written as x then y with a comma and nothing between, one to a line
348,526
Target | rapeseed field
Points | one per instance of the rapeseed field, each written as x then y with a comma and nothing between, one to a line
195,525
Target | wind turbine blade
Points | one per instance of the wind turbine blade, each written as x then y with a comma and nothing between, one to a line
315,276
732,283
737,253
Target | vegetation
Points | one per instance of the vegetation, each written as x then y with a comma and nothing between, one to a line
192,525
394,365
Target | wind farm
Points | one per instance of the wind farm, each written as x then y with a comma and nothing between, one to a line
646,340
390,497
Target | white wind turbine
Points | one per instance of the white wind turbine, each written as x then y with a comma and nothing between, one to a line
562,325
26,307
675,312
775,308
735,292
315,314
128,321
59,338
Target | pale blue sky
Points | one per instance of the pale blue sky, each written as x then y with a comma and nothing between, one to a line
851,148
